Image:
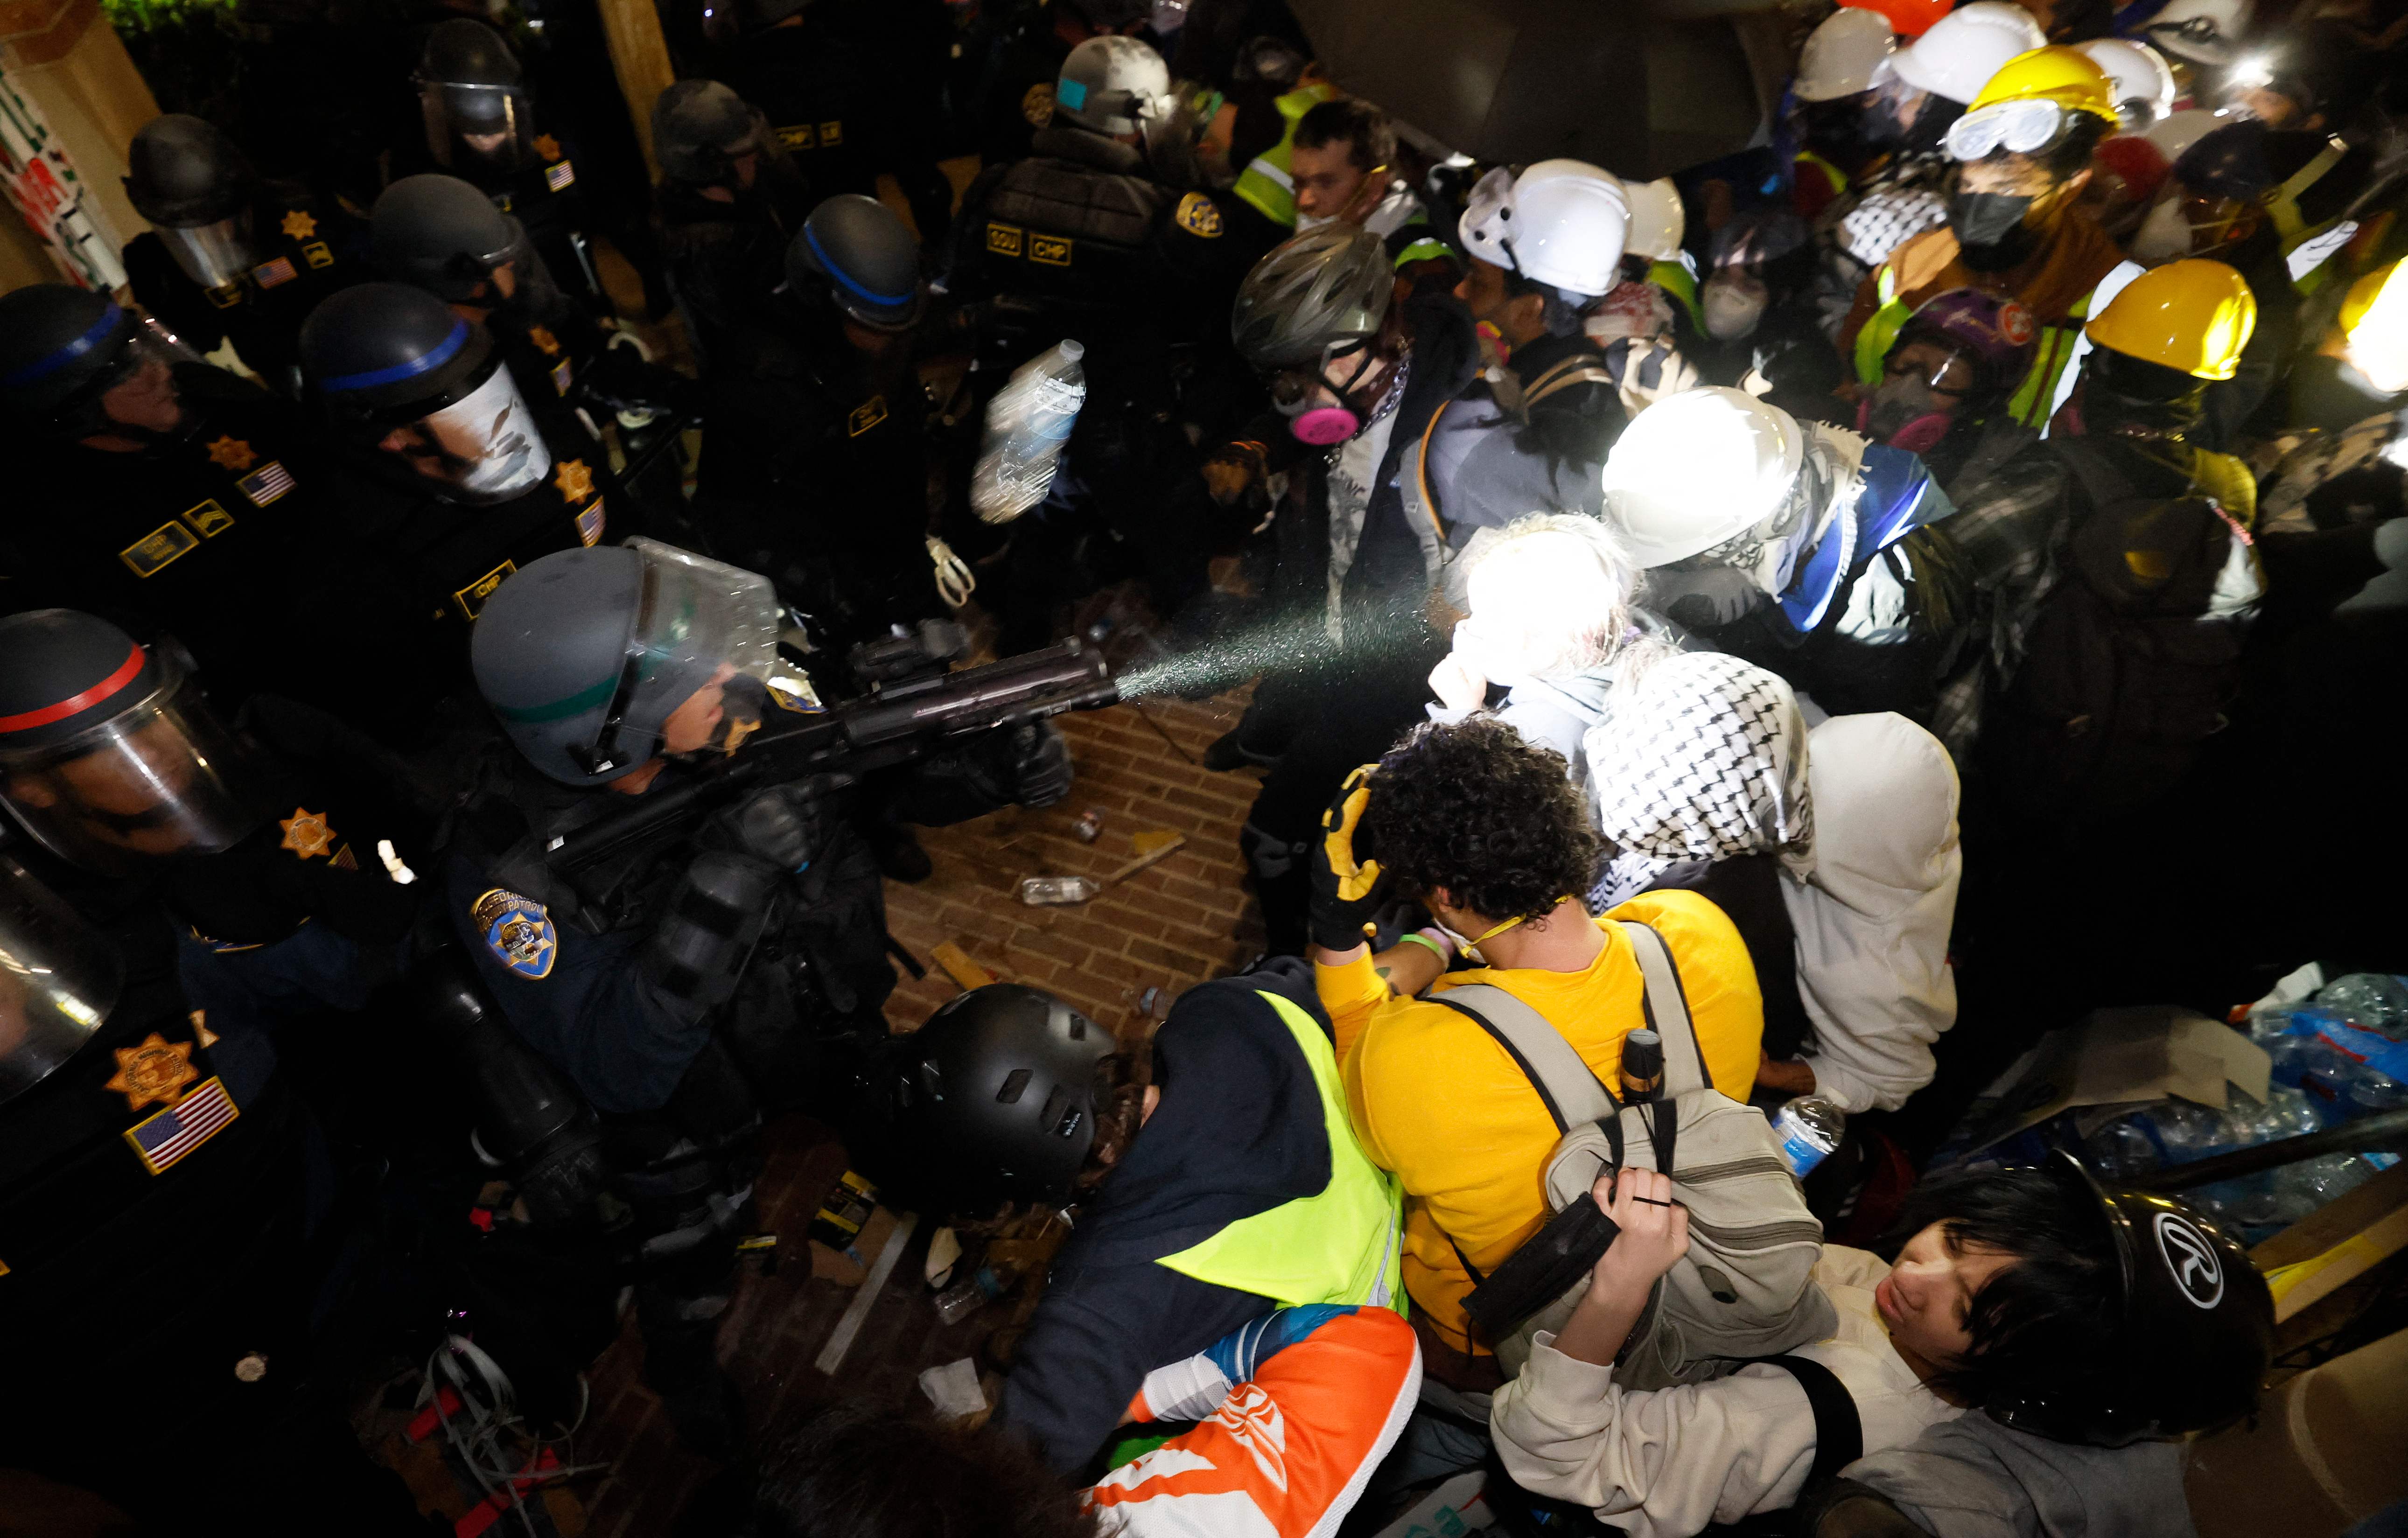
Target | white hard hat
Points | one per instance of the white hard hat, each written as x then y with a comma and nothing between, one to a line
1842,54
1965,48
1658,222
1560,221
2179,131
2205,32
1697,468
2135,73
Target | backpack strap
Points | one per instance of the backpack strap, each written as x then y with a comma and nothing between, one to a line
1838,1431
1570,1089
1580,368
1667,1005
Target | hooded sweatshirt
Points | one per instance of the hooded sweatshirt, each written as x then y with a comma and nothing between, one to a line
1240,1131
1873,917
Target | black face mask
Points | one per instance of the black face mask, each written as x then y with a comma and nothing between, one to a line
1991,235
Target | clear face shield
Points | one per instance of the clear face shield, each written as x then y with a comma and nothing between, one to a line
481,448
136,394
160,781
59,979
700,664
474,126
212,254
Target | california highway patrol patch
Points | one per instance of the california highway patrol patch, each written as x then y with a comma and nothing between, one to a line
1197,215
519,931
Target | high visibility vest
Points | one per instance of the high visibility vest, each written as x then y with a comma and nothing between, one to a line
1267,181
2034,400
1833,177
1342,1245
1675,278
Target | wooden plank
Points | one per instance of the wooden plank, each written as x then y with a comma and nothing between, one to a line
2337,1243
831,1356
959,967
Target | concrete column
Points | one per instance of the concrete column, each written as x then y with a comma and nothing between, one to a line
63,57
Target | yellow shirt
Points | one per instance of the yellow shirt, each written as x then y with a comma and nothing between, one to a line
1436,1100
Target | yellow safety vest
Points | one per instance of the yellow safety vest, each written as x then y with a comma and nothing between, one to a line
1675,278
1833,177
1267,181
2032,398
1342,1245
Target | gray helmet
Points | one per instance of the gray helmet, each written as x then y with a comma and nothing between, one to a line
863,253
699,129
584,655
1111,85
185,171
1325,290
441,233
998,1090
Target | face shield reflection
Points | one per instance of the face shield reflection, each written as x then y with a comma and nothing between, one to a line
483,449
162,780
701,660
59,979
212,254
469,126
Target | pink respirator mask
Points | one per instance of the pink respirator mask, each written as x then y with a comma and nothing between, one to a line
1920,435
1321,425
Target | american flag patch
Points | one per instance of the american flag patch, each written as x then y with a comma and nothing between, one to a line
269,274
266,483
589,525
169,1135
557,176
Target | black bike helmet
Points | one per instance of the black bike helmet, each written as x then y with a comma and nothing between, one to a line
1323,290
996,1096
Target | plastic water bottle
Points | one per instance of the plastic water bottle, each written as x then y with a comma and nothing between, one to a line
1809,1128
2377,1002
1056,891
1026,424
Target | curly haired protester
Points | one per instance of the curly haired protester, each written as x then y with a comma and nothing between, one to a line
1486,830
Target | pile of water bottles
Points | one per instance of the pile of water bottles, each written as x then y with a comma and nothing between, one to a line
2339,1055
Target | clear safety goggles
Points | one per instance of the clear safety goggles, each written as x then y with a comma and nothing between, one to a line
162,780
2022,128
1936,378
212,254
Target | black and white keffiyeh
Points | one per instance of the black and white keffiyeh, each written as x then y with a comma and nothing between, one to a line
1701,756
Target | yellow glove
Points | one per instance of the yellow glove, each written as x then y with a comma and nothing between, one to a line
1346,893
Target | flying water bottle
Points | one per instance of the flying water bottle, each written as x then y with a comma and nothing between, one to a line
1808,1129
1026,424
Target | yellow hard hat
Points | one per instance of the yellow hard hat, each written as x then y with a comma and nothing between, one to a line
2065,76
2363,293
2193,316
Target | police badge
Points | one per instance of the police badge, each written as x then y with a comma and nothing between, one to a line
519,931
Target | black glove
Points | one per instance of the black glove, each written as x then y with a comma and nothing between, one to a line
1346,896
786,826
1041,765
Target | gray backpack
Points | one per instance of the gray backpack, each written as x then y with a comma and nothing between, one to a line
1744,1290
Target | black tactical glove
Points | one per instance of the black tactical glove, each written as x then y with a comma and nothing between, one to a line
1041,765
1347,895
786,826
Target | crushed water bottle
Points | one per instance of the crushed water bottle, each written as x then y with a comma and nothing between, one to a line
1808,1128
1026,424
1056,891
2375,1002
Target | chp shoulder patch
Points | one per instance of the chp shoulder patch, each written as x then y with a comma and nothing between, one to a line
518,930
1037,104
1198,215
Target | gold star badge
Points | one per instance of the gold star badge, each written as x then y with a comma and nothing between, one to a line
546,343
233,454
575,481
299,225
306,833
547,146
157,1070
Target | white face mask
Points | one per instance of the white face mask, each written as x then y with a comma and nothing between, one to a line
1312,220
2165,236
1733,306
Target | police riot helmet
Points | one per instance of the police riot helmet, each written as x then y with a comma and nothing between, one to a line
585,654
699,129
1319,294
2197,1327
472,98
441,233
63,979
109,755
862,253
1112,85
196,187
63,348
396,368
997,1092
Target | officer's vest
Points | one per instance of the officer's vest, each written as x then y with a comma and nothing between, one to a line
1267,182
2035,399
1340,1246
1055,227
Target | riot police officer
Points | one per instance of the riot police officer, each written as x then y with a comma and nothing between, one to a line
818,468
165,493
481,127
1016,98
229,257
731,202
696,977
452,483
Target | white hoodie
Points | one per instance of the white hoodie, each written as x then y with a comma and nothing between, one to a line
1873,920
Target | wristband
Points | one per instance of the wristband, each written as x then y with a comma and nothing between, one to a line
1436,939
